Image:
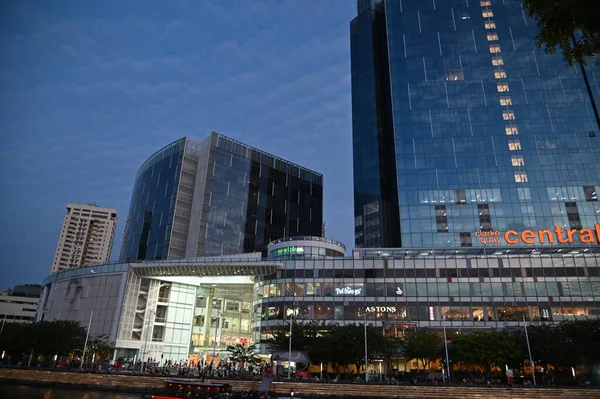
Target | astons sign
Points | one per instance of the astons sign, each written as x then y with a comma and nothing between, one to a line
530,237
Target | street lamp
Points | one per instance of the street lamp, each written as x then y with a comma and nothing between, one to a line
446,347
218,313
4,321
87,337
153,312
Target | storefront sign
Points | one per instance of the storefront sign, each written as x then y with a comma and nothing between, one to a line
289,250
380,309
356,291
531,237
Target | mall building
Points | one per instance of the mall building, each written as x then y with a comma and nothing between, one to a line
193,308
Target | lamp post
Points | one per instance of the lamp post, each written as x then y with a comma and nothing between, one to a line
87,336
290,343
446,347
4,321
366,350
152,312
529,350
218,312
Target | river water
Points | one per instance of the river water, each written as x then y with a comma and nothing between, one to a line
27,392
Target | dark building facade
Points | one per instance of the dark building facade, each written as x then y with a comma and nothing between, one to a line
461,126
218,197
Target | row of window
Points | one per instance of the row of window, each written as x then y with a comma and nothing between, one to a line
391,313
401,288
441,272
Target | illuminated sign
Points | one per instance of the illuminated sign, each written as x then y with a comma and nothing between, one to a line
530,237
380,309
355,291
488,237
289,250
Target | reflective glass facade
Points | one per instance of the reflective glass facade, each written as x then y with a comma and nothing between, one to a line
218,197
150,220
463,125
472,290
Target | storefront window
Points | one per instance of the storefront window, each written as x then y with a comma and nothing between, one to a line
478,313
327,289
323,312
456,312
313,289
568,312
512,313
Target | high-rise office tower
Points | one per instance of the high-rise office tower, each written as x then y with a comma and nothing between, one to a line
86,237
218,197
462,126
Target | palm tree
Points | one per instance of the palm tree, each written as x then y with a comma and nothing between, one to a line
245,355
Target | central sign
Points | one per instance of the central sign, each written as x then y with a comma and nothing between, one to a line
545,236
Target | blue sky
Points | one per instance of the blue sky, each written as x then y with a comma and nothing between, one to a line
90,89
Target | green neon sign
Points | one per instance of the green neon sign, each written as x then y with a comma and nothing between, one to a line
287,250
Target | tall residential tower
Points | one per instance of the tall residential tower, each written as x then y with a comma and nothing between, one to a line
218,197
86,237
462,126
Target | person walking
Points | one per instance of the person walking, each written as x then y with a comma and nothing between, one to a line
509,377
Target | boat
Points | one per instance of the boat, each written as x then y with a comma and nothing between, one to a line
175,389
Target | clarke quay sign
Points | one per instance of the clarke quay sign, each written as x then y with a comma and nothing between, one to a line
531,237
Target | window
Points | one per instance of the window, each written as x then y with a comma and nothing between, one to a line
514,145
505,100
500,75
521,177
485,218
490,25
441,219
495,48
232,306
497,61
485,3
454,75
508,115
517,161
461,197
492,37
487,14
465,239
502,87
511,130
198,321
590,193
573,215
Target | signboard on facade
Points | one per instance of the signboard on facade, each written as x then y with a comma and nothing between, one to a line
558,235
381,309
348,291
290,250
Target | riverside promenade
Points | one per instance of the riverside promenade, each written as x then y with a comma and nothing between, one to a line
136,383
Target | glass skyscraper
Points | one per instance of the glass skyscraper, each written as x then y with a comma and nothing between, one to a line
218,197
462,127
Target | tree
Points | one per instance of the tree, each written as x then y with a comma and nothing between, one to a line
423,346
99,345
46,338
60,337
391,348
547,345
488,350
571,25
245,355
582,339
